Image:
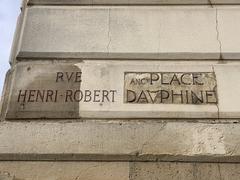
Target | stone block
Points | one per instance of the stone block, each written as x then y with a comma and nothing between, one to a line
228,90
227,30
5,176
117,170
64,170
186,171
127,32
137,140
38,93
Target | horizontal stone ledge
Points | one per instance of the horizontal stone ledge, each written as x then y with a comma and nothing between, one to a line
120,141
118,158
23,55
131,2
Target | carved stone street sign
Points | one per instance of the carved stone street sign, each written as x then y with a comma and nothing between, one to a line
105,90
170,88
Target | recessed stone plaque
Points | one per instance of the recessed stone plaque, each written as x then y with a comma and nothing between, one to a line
170,88
45,91
52,91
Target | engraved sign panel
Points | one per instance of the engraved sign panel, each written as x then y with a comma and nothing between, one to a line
170,88
102,89
42,91
49,91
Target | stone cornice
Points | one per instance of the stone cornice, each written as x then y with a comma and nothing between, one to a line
133,2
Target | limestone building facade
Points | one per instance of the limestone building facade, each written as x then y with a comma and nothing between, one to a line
123,90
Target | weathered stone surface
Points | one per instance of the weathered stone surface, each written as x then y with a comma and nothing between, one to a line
100,94
117,170
228,29
4,175
120,141
127,2
184,171
146,32
71,74
65,170
5,95
170,88
41,91
229,99
50,91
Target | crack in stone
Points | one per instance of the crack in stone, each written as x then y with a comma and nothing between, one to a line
210,2
219,172
218,34
216,94
109,29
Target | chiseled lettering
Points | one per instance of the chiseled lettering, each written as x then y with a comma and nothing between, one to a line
78,77
22,95
196,99
142,98
131,96
187,99
96,95
196,78
183,78
40,95
164,95
105,95
88,96
78,95
69,97
153,77
151,98
174,79
31,95
59,76
170,87
211,97
50,96
163,80
69,76
174,95
113,94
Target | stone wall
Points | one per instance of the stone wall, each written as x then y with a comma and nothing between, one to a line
123,90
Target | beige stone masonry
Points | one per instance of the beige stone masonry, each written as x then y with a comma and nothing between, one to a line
184,171
120,141
107,77
69,111
64,171
130,32
117,171
103,77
